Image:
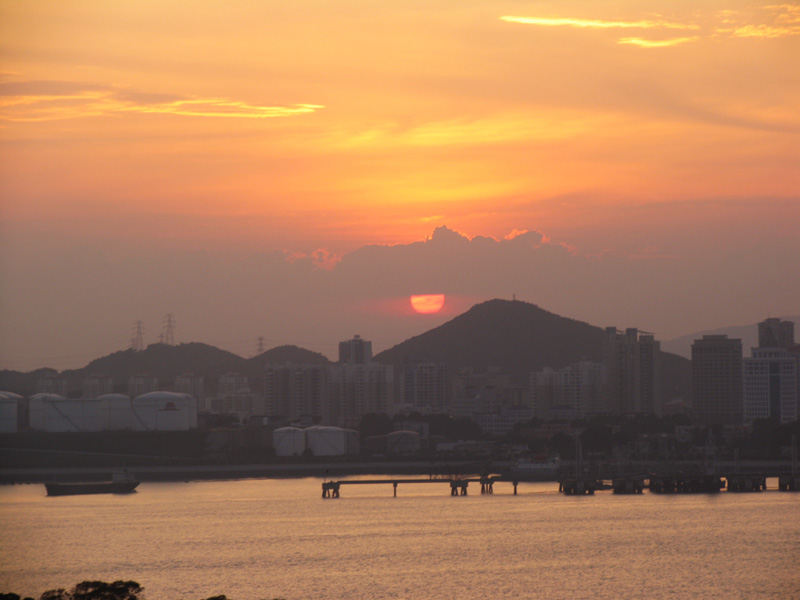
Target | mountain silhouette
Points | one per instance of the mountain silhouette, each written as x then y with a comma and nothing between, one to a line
521,338
161,360
254,367
515,335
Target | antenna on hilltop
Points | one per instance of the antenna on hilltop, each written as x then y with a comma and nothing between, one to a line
168,335
260,345
137,341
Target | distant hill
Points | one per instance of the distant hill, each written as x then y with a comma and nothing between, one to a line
518,336
254,367
682,345
162,361
521,338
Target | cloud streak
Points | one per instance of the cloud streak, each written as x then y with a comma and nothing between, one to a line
596,23
643,43
766,22
31,101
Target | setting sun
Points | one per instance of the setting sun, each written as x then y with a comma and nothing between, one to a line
428,303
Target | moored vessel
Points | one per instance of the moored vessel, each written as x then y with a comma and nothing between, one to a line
121,482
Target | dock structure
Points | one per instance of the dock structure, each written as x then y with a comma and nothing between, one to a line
666,481
745,483
627,485
685,484
459,486
577,486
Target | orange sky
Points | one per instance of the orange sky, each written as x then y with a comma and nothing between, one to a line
311,125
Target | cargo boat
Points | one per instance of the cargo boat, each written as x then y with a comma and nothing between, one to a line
121,483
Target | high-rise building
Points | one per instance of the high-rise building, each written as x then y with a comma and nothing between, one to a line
574,392
717,380
633,364
428,387
774,333
358,389
770,385
297,392
355,351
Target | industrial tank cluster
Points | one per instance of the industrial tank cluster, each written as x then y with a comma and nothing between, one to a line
155,411
320,441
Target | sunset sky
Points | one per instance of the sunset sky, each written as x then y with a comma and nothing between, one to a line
279,169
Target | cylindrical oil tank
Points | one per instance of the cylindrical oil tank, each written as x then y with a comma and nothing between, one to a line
117,412
289,441
164,411
51,412
191,410
331,441
9,412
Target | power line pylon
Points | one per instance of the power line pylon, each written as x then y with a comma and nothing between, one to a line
168,336
137,340
260,350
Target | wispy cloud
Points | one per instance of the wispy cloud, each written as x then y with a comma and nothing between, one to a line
60,100
768,22
597,23
635,41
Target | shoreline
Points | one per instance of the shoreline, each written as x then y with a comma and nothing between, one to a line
338,470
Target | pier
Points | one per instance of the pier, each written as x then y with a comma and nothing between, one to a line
459,486
673,483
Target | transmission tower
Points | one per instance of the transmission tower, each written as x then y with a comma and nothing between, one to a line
168,336
260,350
137,340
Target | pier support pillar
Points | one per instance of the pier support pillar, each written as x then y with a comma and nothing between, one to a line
394,485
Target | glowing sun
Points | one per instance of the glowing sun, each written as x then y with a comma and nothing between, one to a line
428,303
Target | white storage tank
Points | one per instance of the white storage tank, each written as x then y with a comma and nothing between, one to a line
331,441
51,412
117,412
164,411
289,441
9,412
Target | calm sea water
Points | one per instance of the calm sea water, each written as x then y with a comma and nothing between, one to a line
261,539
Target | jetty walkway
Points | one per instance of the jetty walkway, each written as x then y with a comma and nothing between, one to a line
670,483
458,485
